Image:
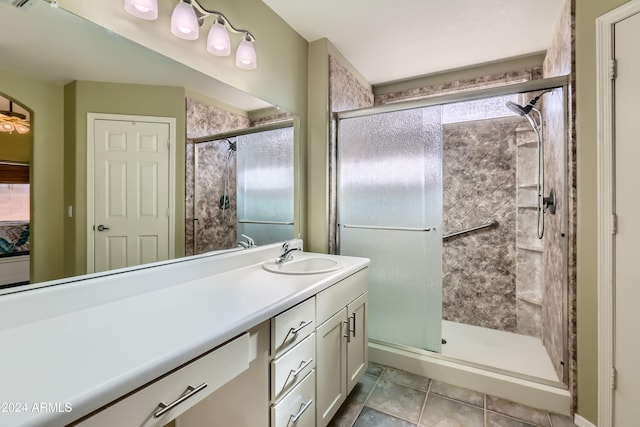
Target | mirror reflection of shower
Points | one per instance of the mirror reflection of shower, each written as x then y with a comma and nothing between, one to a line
544,204
225,200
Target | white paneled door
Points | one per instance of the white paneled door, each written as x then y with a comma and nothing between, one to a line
131,221
626,352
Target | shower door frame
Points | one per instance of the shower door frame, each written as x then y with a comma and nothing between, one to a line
470,95
288,123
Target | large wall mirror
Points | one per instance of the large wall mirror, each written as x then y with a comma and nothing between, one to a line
60,69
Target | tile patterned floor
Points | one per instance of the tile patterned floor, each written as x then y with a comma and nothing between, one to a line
387,397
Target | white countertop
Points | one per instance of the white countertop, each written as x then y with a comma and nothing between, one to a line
81,355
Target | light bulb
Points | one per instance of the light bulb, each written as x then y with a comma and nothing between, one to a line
20,128
246,56
144,9
184,22
6,127
218,42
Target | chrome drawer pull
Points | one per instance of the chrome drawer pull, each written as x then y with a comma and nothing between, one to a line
294,331
295,372
190,391
296,417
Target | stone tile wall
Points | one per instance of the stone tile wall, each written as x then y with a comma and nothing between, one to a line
558,314
479,269
215,229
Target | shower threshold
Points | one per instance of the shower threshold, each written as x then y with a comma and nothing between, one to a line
501,350
490,368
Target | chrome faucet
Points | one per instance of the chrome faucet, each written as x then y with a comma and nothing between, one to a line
250,243
287,252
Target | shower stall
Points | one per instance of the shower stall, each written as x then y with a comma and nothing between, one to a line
451,198
241,184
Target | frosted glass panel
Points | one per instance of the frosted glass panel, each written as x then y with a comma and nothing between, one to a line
389,194
263,234
265,184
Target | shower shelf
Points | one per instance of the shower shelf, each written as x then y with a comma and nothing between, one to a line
527,144
530,248
528,186
531,299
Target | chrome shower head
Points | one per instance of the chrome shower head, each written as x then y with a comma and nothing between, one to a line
523,111
519,109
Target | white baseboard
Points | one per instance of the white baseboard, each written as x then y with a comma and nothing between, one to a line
582,422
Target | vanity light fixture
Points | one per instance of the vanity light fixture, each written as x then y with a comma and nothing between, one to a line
11,121
187,18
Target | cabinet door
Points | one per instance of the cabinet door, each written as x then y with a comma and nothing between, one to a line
331,361
357,354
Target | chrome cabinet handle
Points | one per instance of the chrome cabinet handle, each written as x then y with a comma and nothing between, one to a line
353,331
166,407
295,417
294,331
295,372
347,335
102,228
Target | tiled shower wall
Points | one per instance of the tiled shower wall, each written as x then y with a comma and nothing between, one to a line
216,229
479,176
559,269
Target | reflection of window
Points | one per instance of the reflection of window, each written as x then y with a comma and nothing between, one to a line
479,109
14,202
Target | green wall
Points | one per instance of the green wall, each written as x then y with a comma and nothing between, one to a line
82,97
15,147
45,100
586,13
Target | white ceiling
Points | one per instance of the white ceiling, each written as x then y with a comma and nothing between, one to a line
394,40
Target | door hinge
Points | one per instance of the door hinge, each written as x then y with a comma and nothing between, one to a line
614,223
614,378
613,69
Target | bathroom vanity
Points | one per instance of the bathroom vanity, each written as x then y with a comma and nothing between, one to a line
207,340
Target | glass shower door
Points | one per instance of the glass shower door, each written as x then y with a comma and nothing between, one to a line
390,210
265,185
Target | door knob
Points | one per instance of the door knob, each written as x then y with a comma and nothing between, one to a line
102,228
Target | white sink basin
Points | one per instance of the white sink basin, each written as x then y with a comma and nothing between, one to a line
306,265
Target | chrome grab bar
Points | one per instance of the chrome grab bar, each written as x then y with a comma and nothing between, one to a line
246,221
492,224
383,227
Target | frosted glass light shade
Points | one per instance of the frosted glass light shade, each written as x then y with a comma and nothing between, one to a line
246,56
184,22
6,127
218,42
20,128
143,9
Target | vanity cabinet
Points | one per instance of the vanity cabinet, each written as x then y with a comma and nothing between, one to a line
341,343
293,346
244,401
169,396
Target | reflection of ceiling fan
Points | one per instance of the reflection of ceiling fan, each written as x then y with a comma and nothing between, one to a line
11,121
20,3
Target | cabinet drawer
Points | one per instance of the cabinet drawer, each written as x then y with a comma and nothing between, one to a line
293,366
293,326
213,370
334,298
298,408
